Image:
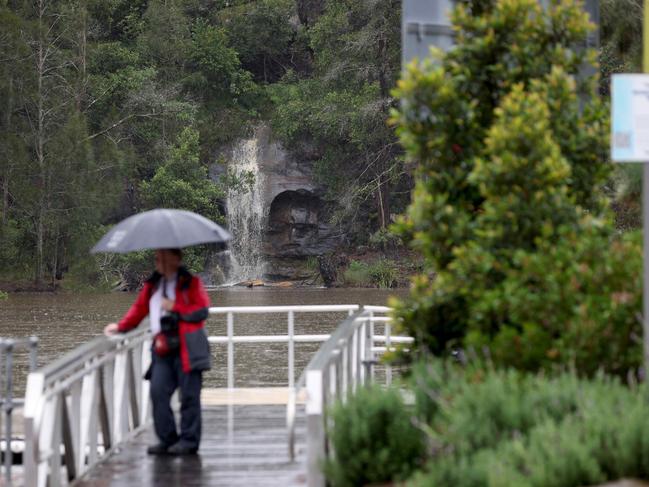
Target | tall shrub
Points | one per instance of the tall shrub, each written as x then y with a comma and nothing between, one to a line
511,155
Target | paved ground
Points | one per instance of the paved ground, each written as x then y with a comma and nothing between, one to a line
243,445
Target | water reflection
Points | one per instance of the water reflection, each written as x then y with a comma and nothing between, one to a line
63,321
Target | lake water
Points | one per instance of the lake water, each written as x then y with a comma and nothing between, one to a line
63,321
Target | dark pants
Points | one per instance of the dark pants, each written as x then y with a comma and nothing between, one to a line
167,376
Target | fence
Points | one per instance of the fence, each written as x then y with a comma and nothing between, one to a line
290,338
80,407
7,400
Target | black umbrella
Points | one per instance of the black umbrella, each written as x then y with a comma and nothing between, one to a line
161,229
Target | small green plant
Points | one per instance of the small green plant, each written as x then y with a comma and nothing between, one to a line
373,438
312,264
383,273
385,240
357,274
3,295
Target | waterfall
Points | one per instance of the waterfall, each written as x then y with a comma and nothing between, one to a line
246,215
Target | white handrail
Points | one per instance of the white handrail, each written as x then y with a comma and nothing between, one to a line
290,338
88,402
83,405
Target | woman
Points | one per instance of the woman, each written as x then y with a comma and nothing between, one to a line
177,306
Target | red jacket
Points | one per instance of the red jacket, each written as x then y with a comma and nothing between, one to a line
192,306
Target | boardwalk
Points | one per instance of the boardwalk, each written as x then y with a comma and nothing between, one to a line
243,445
87,414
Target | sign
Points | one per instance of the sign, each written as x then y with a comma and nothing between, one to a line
425,23
630,118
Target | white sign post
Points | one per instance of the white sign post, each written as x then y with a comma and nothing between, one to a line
630,143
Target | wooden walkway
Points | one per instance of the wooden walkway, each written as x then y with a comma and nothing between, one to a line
243,444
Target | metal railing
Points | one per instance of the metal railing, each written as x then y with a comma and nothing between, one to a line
8,402
290,338
81,406
343,363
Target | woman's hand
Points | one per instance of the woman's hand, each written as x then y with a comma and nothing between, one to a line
111,329
167,304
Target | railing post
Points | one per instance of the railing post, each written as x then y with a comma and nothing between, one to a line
344,368
230,350
144,384
54,440
371,355
33,353
8,407
291,349
388,343
316,436
33,396
120,403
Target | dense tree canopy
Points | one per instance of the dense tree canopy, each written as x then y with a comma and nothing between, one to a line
105,102
114,107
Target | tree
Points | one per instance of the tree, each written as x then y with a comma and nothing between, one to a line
510,176
182,181
342,110
263,36
621,33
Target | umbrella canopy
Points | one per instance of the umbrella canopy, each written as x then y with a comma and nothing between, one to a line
161,229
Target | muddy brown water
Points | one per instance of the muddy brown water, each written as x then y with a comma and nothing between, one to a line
65,320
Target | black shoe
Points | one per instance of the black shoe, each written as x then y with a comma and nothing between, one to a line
159,449
180,449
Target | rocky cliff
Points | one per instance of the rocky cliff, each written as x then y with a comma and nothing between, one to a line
295,221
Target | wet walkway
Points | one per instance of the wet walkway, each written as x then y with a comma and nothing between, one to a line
243,445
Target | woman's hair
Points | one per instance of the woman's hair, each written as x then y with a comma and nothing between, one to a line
177,252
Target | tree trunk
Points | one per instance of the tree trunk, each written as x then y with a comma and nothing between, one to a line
40,146
83,48
383,201
38,271
5,198
7,164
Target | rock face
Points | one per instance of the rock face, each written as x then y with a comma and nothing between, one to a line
296,224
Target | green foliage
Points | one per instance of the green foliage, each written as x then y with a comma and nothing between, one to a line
380,273
337,115
3,295
383,273
217,64
508,208
374,439
357,274
621,34
262,36
182,181
497,428
575,300
385,240
627,196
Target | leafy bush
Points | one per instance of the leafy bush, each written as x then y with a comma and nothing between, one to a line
357,274
383,273
373,438
3,295
508,209
502,427
385,240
